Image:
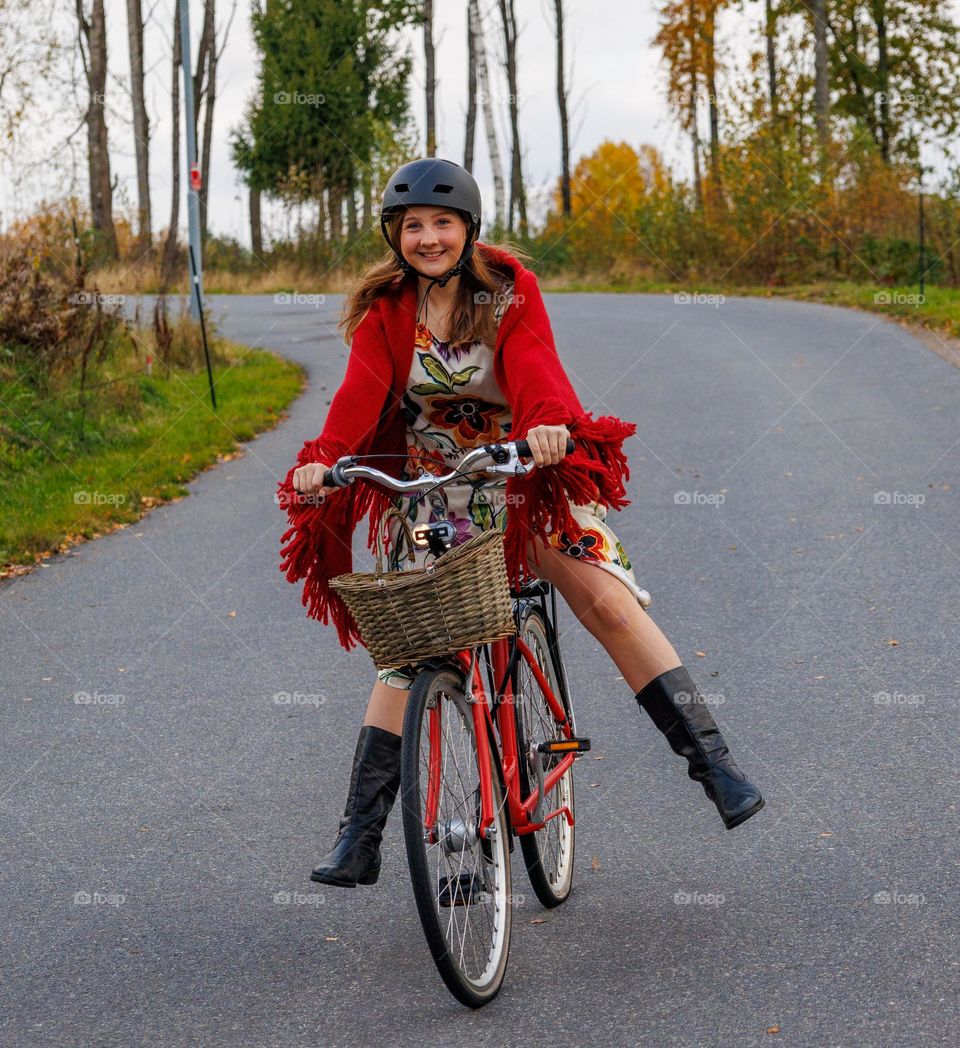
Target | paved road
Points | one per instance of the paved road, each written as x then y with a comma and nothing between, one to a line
147,835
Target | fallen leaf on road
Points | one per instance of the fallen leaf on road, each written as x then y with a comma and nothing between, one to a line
773,1029
595,863
893,643
539,920
702,654
232,614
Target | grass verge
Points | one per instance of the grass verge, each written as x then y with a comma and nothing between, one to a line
69,473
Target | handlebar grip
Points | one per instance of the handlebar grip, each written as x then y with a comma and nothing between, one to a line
328,481
523,448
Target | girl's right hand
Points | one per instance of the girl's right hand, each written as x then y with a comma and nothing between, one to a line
308,480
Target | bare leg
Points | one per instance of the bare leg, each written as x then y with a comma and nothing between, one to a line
386,707
612,614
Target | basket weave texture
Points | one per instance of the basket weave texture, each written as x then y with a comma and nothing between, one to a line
460,600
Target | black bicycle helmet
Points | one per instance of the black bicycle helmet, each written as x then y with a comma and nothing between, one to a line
439,183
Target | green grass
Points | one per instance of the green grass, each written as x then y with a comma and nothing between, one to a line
64,477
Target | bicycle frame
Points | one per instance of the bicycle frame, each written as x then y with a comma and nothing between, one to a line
503,656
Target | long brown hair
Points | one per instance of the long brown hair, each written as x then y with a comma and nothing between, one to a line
472,317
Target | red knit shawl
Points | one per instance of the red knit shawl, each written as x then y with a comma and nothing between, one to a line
365,418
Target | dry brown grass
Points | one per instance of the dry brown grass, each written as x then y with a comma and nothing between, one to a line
126,279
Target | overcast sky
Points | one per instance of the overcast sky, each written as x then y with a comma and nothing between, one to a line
616,87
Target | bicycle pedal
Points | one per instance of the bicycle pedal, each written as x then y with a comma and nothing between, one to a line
461,890
571,745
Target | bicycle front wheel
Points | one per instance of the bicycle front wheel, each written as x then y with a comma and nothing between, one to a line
461,882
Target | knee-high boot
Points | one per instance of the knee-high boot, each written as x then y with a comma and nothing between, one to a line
679,711
374,781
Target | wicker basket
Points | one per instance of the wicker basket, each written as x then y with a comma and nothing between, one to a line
459,601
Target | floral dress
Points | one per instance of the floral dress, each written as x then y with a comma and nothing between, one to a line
453,403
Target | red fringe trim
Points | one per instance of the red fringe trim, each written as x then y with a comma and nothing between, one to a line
595,471
317,546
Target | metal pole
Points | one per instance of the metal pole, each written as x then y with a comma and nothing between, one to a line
193,193
193,183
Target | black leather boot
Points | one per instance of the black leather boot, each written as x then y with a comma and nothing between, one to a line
679,711
374,781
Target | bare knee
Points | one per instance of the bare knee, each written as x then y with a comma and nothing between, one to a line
606,615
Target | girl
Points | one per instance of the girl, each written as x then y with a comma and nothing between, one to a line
451,348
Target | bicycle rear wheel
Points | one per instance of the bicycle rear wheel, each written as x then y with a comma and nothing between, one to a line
547,852
461,882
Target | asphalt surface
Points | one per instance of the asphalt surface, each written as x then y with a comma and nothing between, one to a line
158,834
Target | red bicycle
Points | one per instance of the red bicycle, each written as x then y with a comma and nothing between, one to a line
489,743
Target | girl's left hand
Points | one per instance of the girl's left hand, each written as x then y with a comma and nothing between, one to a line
548,444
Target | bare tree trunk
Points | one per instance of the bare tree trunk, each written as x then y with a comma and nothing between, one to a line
518,194
486,104
367,214
771,35
430,77
210,102
351,211
256,224
471,126
694,90
93,34
818,11
335,197
170,244
322,207
883,76
562,106
141,125
713,106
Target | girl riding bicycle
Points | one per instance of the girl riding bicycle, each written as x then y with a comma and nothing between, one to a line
451,349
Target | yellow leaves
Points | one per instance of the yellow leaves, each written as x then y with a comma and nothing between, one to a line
614,178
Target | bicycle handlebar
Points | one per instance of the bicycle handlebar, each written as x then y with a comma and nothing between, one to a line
506,458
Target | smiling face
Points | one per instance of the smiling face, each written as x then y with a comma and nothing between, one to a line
432,238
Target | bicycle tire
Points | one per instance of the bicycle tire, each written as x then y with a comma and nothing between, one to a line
479,871
548,853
